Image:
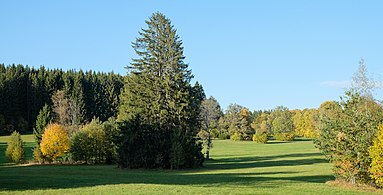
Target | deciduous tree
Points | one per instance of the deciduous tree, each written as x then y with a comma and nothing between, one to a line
210,114
282,124
55,142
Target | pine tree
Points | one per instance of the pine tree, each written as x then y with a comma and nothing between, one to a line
43,119
158,94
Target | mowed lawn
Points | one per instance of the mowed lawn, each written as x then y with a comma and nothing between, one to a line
236,168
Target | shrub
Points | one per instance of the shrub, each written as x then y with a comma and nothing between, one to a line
236,136
37,155
55,142
286,136
91,144
15,150
260,138
112,132
376,154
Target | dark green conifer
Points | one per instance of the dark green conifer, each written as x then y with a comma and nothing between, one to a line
158,94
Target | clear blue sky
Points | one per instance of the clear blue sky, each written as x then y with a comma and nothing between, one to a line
259,54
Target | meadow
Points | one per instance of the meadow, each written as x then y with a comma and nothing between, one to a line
235,168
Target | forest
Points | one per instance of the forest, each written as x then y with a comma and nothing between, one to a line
154,117
25,90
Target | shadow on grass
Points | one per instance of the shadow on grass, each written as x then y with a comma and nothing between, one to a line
54,177
266,161
66,176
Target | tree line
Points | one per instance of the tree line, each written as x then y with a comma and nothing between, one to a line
238,123
25,90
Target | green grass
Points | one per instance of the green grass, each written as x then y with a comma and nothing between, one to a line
236,168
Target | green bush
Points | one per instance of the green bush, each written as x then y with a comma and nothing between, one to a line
37,155
15,150
91,144
286,136
260,138
236,136
376,154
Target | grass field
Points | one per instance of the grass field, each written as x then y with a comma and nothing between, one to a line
236,168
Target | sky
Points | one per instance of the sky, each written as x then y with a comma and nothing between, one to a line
256,53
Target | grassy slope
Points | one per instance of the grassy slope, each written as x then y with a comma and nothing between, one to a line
236,168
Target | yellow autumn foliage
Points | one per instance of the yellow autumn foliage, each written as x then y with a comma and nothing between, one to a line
55,142
376,154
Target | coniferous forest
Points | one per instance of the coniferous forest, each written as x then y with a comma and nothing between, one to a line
25,90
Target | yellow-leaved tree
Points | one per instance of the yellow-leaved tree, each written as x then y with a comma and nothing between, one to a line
376,154
55,142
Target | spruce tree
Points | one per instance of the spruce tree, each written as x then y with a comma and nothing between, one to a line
159,100
43,119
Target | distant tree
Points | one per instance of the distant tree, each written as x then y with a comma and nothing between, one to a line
159,100
261,126
210,114
61,107
223,129
76,107
306,123
299,124
361,83
282,124
245,120
43,119
236,123
311,122
55,142
15,151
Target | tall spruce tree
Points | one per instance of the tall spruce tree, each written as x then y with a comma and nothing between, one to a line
159,102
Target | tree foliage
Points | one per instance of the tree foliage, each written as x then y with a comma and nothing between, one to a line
15,151
347,131
361,83
159,107
55,142
210,114
306,123
282,124
91,144
261,126
43,119
236,123
376,155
